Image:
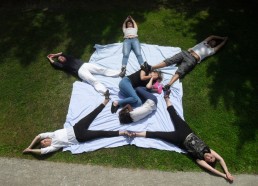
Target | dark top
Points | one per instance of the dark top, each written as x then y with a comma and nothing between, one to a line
136,80
195,146
71,64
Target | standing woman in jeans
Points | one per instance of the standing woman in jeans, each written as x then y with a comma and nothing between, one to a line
131,42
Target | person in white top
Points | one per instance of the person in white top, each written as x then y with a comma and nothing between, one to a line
53,141
128,114
187,60
131,42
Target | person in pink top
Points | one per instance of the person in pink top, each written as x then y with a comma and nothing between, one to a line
187,60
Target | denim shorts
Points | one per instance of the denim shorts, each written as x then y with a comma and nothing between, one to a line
184,61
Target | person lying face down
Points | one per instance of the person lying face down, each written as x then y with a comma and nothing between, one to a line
128,114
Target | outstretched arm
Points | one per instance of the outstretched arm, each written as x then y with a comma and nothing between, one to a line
221,44
223,165
52,56
124,24
29,148
205,165
224,40
134,23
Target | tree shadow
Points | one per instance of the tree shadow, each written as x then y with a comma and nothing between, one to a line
45,26
234,71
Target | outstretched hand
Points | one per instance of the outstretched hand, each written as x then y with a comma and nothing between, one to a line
229,177
27,150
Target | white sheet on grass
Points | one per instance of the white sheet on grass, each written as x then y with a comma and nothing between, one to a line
84,99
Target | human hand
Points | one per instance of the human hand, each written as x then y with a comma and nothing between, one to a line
27,150
50,55
229,177
129,17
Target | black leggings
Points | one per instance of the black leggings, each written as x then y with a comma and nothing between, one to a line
82,133
177,137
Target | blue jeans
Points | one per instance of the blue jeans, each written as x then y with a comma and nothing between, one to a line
128,92
131,44
145,94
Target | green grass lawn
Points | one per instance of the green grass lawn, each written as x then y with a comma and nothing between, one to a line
220,95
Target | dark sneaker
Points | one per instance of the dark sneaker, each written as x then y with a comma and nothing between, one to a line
167,93
107,94
114,108
166,87
122,73
146,67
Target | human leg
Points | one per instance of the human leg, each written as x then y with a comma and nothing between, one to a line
97,69
179,123
129,93
145,94
126,51
187,65
137,50
85,74
85,122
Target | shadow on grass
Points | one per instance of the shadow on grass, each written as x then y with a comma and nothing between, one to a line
46,25
235,73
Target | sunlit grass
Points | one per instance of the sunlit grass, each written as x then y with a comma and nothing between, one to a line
219,95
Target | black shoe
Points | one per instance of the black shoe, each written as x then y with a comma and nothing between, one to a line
122,73
107,94
167,93
166,87
114,108
146,67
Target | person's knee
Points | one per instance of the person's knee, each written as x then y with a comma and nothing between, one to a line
138,102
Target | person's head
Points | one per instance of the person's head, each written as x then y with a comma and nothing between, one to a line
212,43
45,142
124,116
157,75
61,59
129,24
209,158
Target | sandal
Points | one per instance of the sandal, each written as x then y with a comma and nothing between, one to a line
114,108
107,94
167,93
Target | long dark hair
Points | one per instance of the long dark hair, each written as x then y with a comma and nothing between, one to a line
128,22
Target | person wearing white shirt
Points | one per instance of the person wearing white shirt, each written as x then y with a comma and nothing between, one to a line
131,42
187,60
53,141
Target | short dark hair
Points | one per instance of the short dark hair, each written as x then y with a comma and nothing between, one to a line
124,117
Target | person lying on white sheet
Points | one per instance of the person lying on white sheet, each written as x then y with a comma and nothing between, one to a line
53,141
128,114
82,70
184,137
